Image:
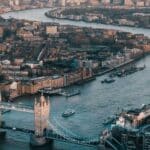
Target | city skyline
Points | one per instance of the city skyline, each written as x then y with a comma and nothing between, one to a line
138,3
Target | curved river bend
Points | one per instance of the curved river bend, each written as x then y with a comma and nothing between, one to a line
38,15
96,102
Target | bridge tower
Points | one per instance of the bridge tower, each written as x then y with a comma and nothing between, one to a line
41,117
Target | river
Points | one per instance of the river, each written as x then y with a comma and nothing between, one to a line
38,15
96,102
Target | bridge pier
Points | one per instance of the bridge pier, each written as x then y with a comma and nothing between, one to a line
37,141
41,117
2,132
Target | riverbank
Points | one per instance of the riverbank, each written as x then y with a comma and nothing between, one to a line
57,13
132,18
38,15
47,14
92,78
120,65
95,45
9,10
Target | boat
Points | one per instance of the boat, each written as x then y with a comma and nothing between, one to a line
109,80
68,113
13,128
141,68
70,93
120,74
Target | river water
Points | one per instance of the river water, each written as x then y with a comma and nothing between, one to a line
38,15
96,102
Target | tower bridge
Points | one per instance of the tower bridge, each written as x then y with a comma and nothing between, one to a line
43,129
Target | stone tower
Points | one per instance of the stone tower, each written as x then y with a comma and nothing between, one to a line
41,115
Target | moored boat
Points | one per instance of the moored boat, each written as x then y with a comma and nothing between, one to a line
109,80
73,93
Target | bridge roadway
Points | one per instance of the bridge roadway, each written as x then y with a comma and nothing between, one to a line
17,129
52,133
16,107
54,136
79,141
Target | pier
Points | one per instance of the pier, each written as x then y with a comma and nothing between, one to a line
61,92
50,91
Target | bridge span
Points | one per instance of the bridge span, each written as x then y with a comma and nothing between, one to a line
44,130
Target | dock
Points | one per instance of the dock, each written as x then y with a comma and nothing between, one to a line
61,92
50,91
130,61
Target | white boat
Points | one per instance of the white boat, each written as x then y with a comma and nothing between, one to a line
68,113
70,93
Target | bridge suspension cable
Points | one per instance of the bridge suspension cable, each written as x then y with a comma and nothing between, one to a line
60,126
71,134
66,137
